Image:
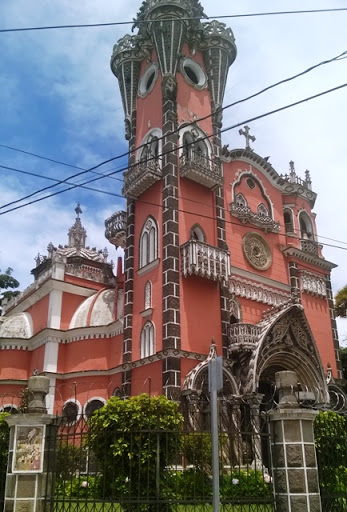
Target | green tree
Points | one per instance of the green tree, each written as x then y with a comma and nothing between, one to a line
341,302
8,281
134,440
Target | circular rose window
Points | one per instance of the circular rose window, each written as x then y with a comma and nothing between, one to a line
257,251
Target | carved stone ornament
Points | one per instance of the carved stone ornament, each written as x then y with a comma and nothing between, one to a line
257,251
169,87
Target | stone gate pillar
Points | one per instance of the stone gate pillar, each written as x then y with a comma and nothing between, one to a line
295,469
32,441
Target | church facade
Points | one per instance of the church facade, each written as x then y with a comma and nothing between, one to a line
221,251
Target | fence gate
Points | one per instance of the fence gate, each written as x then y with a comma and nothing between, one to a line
161,471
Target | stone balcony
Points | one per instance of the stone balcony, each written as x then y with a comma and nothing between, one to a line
246,216
141,177
243,337
201,259
116,227
201,169
310,246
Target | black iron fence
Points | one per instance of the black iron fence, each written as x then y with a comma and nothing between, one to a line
162,470
331,445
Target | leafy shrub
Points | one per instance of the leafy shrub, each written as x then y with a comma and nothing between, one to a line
189,484
331,444
244,483
197,449
134,440
79,487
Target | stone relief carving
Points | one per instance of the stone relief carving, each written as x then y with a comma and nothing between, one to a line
257,292
314,284
257,251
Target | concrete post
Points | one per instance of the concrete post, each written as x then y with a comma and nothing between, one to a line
295,469
32,441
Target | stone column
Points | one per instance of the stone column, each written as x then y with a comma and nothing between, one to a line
31,447
295,469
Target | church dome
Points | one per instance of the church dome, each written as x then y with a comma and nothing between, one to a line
96,310
17,326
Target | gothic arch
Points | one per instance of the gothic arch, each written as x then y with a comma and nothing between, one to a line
195,139
196,382
249,174
197,233
287,343
306,225
151,145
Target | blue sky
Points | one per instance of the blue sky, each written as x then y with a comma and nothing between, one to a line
58,98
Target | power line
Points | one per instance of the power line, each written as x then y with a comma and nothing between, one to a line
197,18
129,153
160,205
266,114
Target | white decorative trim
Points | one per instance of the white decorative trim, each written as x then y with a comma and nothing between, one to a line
70,336
197,69
143,89
313,284
99,398
150,266
238,178
257,292
309,258
260,279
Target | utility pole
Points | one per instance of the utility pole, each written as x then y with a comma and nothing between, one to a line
215,383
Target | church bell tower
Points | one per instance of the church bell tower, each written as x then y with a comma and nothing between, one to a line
172,76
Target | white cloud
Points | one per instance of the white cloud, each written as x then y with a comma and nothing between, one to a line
61,80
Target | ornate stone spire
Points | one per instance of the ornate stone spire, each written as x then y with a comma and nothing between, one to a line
77,234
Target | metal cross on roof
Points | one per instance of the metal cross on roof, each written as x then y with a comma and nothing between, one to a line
248,137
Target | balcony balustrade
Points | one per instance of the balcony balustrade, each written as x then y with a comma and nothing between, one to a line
201,169
141,177
116,227
310,246
243,337
245,215
201,259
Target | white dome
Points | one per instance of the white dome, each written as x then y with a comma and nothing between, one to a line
96,310
17,326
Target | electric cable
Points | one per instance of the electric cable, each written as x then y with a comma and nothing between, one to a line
194,18
225,210
129,153
341,56
266,114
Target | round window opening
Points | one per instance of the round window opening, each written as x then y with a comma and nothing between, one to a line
193,73
148,79
93,406
70,412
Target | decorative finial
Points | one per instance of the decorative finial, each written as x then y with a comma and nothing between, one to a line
292,171
78,210
248,137
308,177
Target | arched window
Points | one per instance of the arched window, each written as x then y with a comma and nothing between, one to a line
306,228
148,295
147,340
240,201
197,233
262,210
93,405
193,145
71,411
288,221
150,147
149,242
235,312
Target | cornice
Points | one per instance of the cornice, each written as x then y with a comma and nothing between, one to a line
63,337
256,278
308,258
250,157
48,286
159,356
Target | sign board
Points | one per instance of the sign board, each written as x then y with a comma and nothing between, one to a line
28,449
